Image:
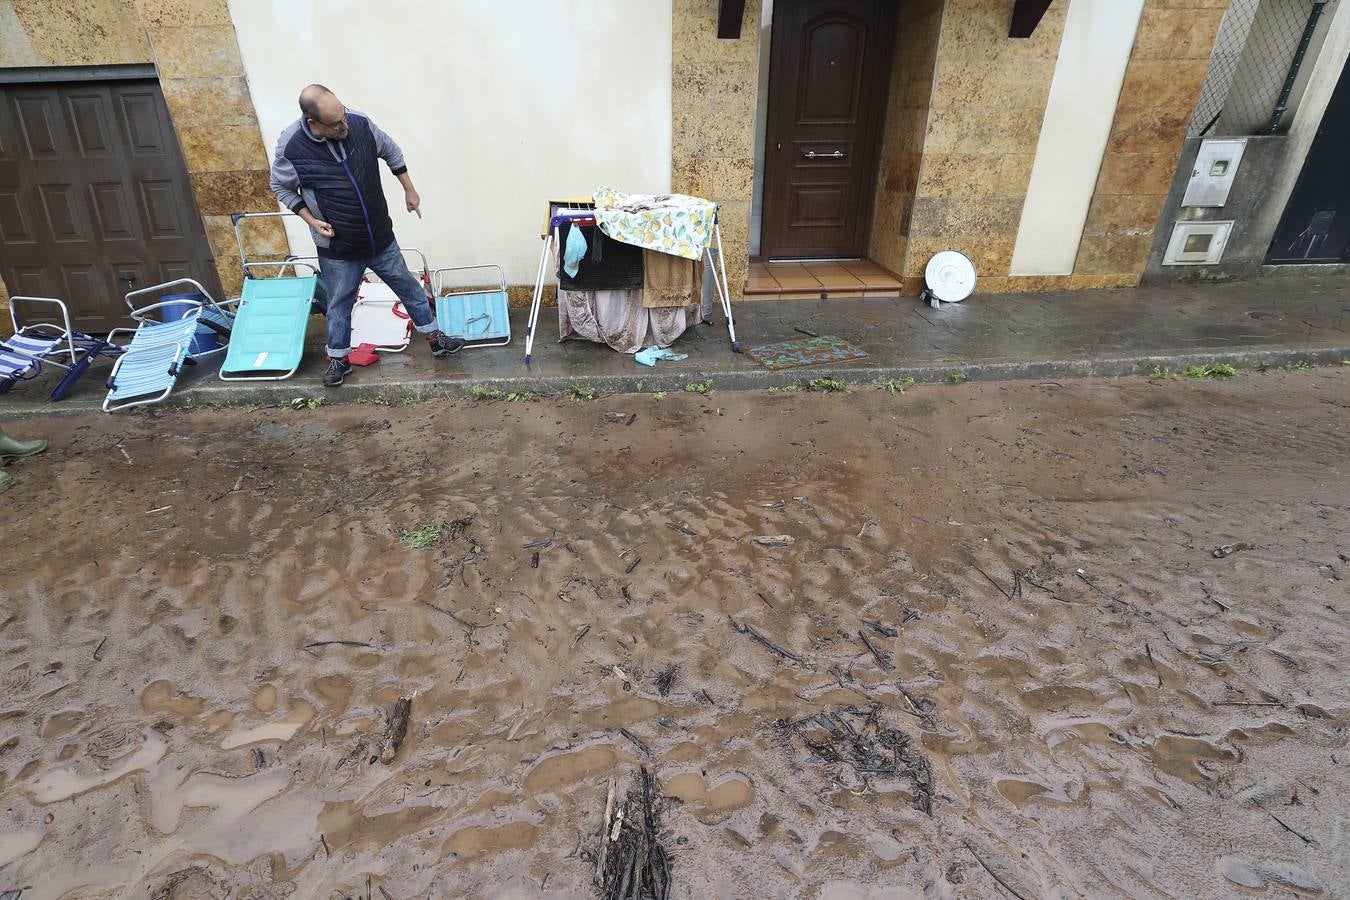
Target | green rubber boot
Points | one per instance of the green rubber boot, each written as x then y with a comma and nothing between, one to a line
12,447
5,478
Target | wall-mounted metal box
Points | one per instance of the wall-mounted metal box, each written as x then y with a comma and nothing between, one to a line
1215,168
1197,243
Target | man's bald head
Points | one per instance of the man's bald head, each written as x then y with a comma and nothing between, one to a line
311,99
324,111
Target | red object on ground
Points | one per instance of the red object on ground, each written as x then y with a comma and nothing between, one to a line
363,355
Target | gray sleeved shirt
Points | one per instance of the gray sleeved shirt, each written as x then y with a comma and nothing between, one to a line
285,183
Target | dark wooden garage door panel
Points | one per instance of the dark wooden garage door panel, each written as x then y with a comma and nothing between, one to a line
94,196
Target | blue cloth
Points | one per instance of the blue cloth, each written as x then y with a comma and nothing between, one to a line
573,251
651,355
342,278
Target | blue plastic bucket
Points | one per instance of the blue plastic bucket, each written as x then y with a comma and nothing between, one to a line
204,339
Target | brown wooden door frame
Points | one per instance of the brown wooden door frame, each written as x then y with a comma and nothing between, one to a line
93,186
786,139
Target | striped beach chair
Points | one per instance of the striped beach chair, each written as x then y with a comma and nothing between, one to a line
36,343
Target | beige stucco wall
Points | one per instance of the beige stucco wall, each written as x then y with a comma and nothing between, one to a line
713,95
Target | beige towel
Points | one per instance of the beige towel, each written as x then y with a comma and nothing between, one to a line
670,280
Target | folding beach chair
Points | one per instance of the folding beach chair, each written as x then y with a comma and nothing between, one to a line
481,316
36,343
378,317
165,340
268,339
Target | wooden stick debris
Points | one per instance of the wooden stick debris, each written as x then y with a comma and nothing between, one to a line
988,578
1302,837
397,730
883,630
337,643
604,836
992,874
636,741
881,659
472,626
753,634
1149,650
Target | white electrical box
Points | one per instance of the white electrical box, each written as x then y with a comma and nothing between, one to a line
1215,168
1197,243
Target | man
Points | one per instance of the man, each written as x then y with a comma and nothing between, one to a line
325,171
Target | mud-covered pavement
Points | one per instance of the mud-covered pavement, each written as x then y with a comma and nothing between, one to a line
1006,595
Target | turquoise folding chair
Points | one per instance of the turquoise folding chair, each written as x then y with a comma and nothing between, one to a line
267,341
481,317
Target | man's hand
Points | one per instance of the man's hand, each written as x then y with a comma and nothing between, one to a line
414,202
315,222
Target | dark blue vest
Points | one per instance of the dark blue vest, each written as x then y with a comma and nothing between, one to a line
348,192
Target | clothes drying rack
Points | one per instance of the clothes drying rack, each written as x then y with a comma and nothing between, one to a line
583,213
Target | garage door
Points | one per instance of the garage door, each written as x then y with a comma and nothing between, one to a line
94,196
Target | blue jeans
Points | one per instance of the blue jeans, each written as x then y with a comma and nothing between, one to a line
342,277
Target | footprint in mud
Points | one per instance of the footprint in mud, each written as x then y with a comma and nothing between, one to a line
1019,792
266,699
113,742
1259,873
282,730
476,841
60,724
1058,697
690,787
569,768
162,698
69,781
1185,757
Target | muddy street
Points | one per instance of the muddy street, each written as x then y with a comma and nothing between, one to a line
1034,640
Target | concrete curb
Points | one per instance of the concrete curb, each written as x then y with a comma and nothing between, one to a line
216,393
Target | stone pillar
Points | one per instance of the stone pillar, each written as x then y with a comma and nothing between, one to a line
714,84
202,77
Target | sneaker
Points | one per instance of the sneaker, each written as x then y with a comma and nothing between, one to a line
338,369
444,345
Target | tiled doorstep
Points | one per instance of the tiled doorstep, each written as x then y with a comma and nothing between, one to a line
814,280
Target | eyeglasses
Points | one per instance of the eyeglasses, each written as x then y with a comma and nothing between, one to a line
340,123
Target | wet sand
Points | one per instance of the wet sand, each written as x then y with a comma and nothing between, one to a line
1106,707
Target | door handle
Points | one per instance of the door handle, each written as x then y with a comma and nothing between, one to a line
811,154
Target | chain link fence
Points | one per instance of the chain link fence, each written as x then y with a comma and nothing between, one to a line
1261,58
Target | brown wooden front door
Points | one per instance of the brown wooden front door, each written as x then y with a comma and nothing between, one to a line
827,95
93,191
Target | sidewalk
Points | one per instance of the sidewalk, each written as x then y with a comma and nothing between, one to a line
1271,321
